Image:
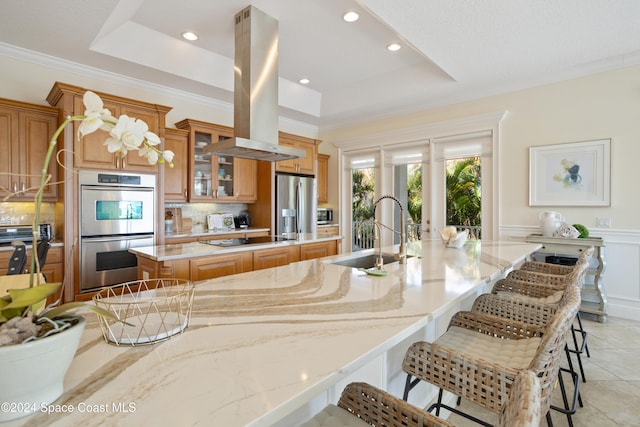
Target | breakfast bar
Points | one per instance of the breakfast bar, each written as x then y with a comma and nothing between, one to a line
272,347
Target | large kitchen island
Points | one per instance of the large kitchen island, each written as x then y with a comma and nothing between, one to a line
272,347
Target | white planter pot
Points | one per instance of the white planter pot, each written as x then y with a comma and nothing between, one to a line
32,374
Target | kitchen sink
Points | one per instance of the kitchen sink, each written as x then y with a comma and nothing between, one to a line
366,261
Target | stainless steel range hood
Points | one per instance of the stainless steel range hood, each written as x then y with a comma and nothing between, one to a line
255,92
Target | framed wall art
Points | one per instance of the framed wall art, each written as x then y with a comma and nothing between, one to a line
574,174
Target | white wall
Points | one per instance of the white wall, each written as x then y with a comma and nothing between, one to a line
605,105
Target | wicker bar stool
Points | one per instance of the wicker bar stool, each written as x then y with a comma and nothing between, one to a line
539,293
362,404
557,269
557,276
531,310
537,272
473,359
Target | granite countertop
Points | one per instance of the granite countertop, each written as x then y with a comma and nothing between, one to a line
201,231
262,344
54,244
197,249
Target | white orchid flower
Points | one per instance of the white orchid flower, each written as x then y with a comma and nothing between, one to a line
148,152
96,116
152,138
127,135
167,155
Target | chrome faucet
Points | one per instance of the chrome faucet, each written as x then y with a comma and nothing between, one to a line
402,253
378,263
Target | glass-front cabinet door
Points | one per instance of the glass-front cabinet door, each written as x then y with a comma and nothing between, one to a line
211,176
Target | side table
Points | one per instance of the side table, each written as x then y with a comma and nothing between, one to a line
594,297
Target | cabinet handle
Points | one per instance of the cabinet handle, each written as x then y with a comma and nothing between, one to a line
24,187
124,162
185,193
117,161
15,187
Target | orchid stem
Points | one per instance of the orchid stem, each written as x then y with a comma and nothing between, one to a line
38,199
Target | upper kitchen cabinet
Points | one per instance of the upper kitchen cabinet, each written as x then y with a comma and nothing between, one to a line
304,166
176,179
90,151
25,132
322,177
217,178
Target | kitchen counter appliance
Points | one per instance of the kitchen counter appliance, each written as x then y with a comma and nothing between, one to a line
325,216
10,233
243,220
117,212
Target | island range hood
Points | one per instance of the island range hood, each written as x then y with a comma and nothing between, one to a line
255,92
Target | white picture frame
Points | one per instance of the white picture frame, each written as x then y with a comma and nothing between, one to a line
572,174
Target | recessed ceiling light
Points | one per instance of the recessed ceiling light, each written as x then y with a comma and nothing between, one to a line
393,47
304,81
350,17
188,35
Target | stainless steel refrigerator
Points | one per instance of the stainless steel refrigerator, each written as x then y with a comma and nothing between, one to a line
295,204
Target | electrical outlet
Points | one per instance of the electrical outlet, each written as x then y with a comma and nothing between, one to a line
603,222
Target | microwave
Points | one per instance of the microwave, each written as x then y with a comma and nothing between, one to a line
325,216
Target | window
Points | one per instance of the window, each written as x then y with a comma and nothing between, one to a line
411,164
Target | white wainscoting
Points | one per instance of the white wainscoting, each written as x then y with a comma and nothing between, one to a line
622,272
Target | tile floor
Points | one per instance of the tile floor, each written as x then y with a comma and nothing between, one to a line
611,395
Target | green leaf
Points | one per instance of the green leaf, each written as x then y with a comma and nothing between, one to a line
21,298
75,307
3,304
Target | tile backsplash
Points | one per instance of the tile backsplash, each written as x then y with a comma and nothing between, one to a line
22,213
198,211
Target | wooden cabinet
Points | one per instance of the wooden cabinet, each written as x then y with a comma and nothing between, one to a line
53,267
25,132
176,179
149,269
318,250
274,257
245,183
90,151
562,250
220,265
328,230
322,177
217,178
306,165
211,266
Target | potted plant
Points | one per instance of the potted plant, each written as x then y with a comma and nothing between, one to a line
37,343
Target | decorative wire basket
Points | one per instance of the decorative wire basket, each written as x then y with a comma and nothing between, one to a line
156,309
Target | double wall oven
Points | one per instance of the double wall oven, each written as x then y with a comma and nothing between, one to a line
117,212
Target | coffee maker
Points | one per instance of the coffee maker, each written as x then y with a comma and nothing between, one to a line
243,220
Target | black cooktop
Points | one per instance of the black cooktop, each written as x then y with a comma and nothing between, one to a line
245,241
